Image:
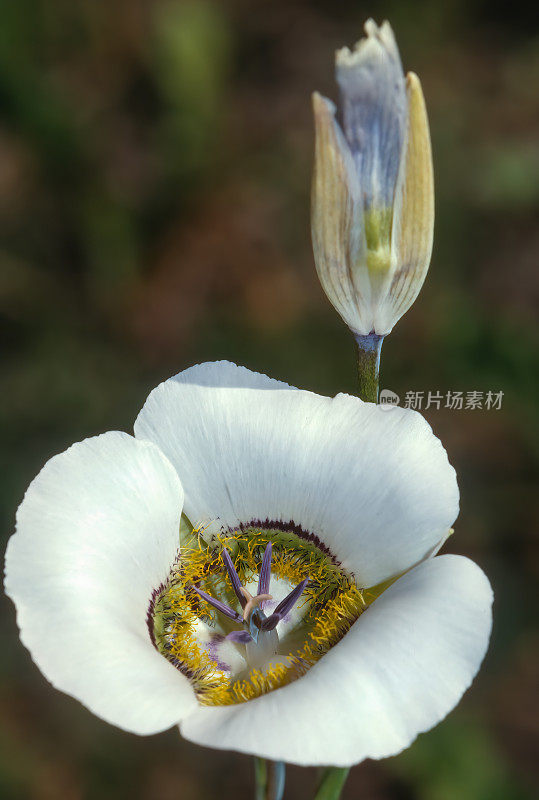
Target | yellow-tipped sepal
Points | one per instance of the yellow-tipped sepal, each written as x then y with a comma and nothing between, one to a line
413,214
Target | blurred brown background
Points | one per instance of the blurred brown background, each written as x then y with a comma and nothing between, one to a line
155,164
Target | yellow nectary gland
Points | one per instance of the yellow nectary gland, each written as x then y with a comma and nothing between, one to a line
331,604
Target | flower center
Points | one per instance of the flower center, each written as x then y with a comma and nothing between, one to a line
217,622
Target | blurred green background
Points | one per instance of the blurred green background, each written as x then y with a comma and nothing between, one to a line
155,163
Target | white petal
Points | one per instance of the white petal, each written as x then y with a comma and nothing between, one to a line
373,100
96,533
402,667
226,374
375,486
413,214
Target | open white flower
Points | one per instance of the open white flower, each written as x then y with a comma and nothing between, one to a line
373,190
285,489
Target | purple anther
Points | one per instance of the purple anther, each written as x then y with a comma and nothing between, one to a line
271,622
282,609
239,637
265,571
217,604
233,575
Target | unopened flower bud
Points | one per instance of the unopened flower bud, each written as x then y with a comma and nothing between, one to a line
372,193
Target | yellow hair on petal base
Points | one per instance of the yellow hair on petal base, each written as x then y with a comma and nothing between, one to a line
331,604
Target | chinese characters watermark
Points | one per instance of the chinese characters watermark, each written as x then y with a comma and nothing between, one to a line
454,400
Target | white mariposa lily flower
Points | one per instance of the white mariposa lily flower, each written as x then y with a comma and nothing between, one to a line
305,619
373,190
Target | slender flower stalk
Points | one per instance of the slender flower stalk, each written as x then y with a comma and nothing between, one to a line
368,354
269,779
332,783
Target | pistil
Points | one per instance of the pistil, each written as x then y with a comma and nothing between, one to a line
260,629
252,602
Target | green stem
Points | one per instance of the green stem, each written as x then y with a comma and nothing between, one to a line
260,778
368,356
331,785
269,779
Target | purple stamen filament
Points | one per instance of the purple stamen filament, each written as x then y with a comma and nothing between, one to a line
217,604
265,571
284,606
234,577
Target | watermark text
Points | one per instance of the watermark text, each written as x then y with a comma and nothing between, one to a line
474,400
